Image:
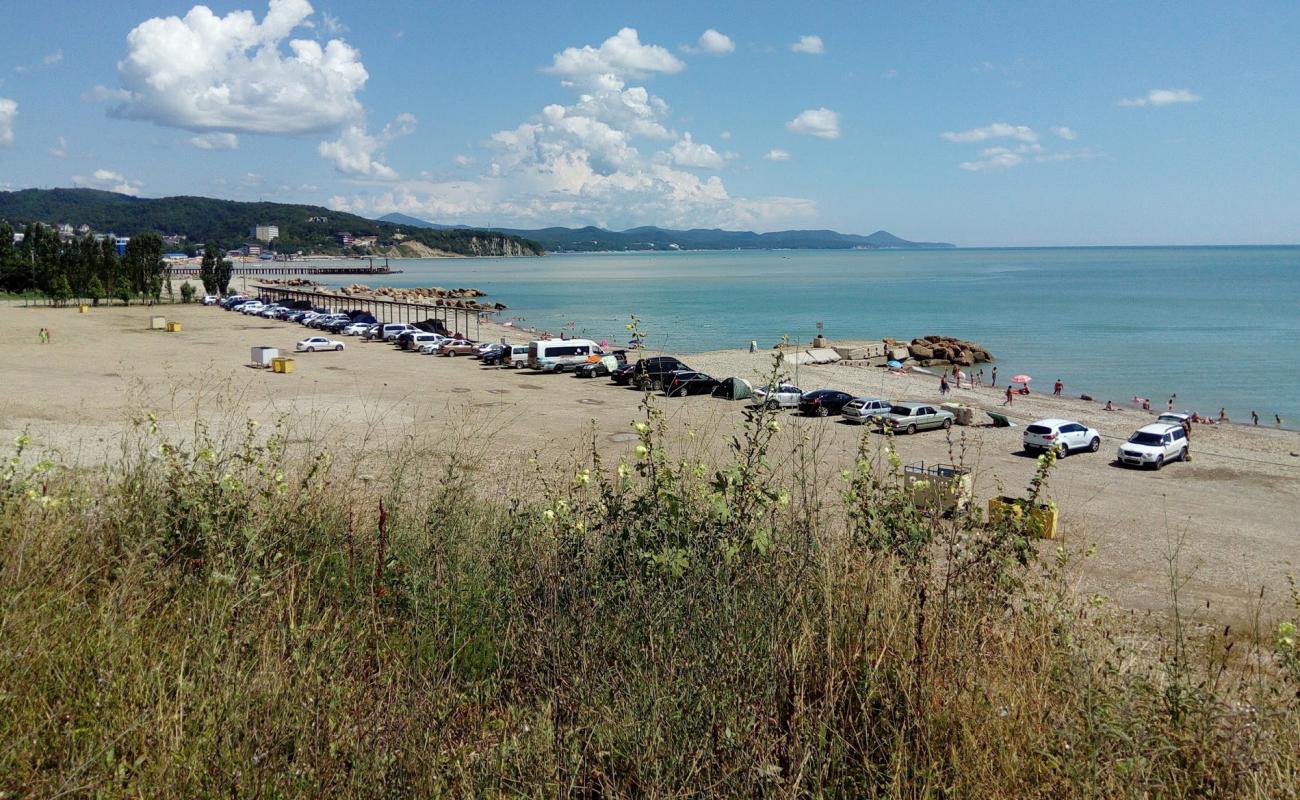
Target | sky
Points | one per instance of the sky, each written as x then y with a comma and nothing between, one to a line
982,124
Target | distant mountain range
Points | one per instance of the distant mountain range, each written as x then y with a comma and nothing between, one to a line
592,239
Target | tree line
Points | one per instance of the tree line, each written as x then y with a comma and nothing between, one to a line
62,269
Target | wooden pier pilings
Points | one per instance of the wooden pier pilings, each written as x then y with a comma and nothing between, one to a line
455,319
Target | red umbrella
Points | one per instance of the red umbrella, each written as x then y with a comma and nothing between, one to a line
1021,379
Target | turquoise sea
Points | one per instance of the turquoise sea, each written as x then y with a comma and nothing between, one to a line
1218,326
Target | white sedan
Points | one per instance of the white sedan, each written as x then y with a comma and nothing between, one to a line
313,343
356,328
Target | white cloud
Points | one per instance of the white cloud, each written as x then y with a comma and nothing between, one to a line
331,23
819,122
53,58
209,73
215,141
889,74
101,94
812,45
8,111
725,136
1065,133
716,44
619,57
777,154
1162,97
60,148
463,161
688,153
998,130
109,181
354,152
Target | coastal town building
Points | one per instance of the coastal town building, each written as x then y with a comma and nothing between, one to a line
344,238
266,233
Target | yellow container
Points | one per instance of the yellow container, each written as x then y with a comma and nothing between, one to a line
83,309
1041,522
282,365
173,327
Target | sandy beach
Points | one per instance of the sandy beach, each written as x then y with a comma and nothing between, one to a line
1229,514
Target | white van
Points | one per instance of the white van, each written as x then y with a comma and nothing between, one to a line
561,355
516,355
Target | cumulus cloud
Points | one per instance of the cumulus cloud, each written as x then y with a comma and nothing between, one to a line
582,162
8,111
331,24
998,130
215,141
819,122
1065,133
463,161
715,43
60,148
108,180
53,58
619,57
355,152
777,154
811,45
1162,97
205,73
689,153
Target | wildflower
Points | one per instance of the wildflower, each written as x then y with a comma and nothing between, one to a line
773,426
783,499
548,515
641,427
641,451
583,478
624,471
1286,632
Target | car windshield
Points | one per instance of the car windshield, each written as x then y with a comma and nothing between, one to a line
1142,437
902,411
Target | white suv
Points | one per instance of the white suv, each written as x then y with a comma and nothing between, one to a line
1065,435
1153,446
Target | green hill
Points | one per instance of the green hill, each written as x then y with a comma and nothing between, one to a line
592,239
228,222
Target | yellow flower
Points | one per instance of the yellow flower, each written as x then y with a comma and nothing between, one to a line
641,451
774,426
641,427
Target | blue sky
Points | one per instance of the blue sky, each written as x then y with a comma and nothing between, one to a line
976,123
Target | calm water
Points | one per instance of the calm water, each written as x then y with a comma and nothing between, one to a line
1218,326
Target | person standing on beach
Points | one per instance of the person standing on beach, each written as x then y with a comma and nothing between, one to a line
1170,407
943,384
1223,416
1278,419
1010,395
979,377
1056,390
1254,418
994,382
1187,431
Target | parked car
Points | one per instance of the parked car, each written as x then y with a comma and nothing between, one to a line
823,402
232,301
456,347
1173,418
251,307
313,343
785,395
517,357
1063,435
648,373
356,329
209,300
430,348
414,340
1153,445
913,417
684,383
865,409
597,369
489,353
394,329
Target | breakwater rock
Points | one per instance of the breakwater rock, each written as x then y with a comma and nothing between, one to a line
945,351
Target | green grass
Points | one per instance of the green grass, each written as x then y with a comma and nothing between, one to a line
241,617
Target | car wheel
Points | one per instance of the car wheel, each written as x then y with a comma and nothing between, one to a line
451,353
773,405
911,429
1095,444
656,385
1160,462
1062,451
821,411
947,423
338,348
311,349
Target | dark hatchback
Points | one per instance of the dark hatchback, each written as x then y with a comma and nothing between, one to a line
684,383
649,372
823,402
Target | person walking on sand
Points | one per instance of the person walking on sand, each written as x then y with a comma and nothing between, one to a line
1170,407
1056,390
1278,419
979,377
994,382
943,384
1254,418
1010,395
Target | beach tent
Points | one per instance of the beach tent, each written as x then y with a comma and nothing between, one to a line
734,389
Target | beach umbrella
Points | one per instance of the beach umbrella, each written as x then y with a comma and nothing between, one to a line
894,364
1021,379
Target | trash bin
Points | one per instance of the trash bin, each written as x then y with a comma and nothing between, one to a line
83,309
262,356
1042,519
157,323
282,365
173,327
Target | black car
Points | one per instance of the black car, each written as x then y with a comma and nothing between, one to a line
649,373
684,383
490,354
597,369
823,402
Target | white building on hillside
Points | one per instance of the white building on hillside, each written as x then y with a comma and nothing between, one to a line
266,233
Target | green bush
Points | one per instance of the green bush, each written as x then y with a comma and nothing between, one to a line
187,292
